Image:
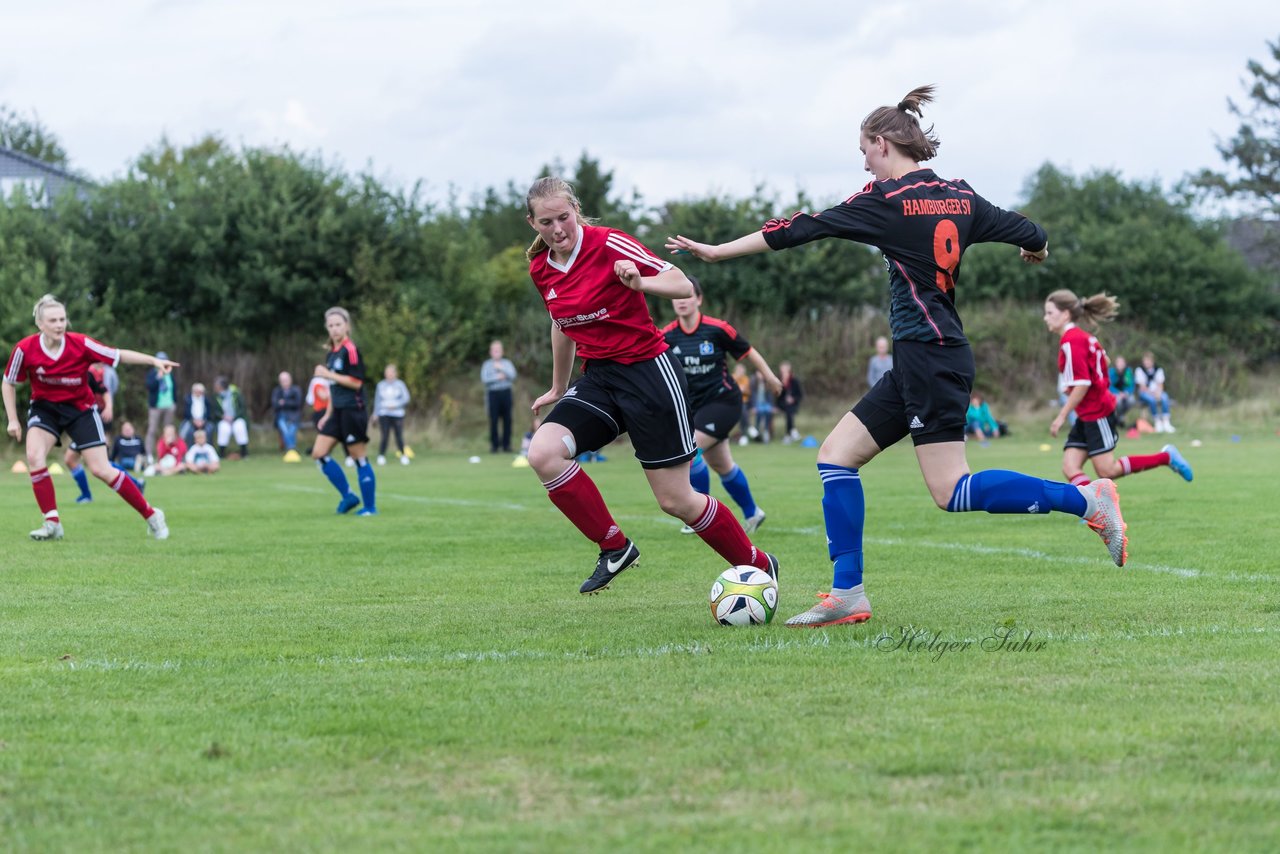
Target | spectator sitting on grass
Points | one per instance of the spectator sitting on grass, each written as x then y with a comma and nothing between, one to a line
201,456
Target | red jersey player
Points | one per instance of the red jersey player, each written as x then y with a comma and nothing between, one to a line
1083,375
593,281
57,363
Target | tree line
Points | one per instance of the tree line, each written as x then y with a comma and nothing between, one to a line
233,252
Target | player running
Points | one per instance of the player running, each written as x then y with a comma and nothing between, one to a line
57,363
346,419
1083,374
922,225
594,281
701,345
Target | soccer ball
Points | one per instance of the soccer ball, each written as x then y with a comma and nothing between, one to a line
743,596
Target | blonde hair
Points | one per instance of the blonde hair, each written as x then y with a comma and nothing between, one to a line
341,312
548,187
1098,308
899,126
46,301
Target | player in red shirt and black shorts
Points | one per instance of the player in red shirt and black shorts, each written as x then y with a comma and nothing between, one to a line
593,281
1083,374
921,224
57,363
702,346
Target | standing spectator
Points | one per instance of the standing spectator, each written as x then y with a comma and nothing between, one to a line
389,401
743,380
229,408
1121,379
161,402
171,452
789,401
497,373
1148,379
197,413
56,362
881,363
286,407
762,400
201,457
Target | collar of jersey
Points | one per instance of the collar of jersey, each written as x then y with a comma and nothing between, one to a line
573,256
695,326
54,355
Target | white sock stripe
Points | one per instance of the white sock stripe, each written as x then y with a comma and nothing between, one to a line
667,371
843,475
708,516
119,481
563,478
43,475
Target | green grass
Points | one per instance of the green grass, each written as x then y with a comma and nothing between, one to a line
278,678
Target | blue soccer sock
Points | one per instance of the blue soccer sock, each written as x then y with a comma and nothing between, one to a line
997,491
700,475
368,484
332,469
735,483
844,511
82,480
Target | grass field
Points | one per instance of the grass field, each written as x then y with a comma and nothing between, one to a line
278,678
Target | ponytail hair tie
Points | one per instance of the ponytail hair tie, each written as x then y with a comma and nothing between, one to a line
904,106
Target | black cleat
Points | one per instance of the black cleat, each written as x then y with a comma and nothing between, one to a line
610,564
774,567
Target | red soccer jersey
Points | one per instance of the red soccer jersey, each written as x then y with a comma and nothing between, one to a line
605,318
1082,361
59,376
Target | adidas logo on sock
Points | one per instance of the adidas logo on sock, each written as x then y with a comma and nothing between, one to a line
1034,508
916,423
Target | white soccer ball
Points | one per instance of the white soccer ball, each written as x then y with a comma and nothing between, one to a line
167,462
149,471
743,596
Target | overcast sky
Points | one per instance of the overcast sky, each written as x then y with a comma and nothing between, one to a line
679,99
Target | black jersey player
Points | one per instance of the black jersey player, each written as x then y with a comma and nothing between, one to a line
921,224
702,345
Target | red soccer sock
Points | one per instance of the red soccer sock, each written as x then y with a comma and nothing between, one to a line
1135,463
577,497
719,529
1080,479
42,486
124,485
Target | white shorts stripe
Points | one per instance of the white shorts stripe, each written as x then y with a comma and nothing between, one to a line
668,373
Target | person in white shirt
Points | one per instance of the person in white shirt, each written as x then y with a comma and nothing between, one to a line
1148,380
202,458
389,402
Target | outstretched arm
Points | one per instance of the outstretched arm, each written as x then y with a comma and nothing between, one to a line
133,357
749,244
758,362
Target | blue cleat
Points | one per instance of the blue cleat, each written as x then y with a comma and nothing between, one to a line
368,511
84,499
1177,463
348,503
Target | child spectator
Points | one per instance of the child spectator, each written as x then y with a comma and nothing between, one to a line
979,422
128,448
201,456
171,452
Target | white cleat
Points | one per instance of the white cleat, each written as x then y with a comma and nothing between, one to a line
685,529
833,610
753,522
47,531
156,526
1106,520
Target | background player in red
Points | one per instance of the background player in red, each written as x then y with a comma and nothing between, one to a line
57,362
593,281
702,345
1083,373
922,225
346,420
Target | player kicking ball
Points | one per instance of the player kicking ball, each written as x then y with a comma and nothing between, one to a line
57,364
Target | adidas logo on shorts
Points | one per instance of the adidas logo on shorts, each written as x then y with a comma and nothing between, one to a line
916,423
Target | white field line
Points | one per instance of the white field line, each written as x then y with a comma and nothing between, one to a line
798,640
815,531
